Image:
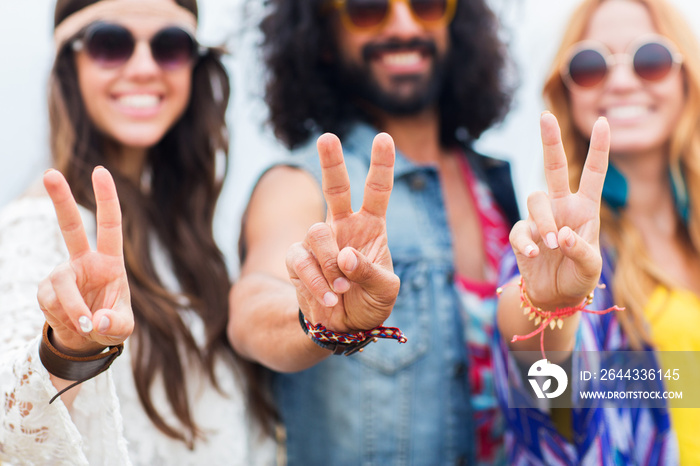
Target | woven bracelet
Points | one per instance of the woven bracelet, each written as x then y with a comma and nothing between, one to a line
79,368
347,343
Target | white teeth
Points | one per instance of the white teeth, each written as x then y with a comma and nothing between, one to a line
139,100
401,59
628,111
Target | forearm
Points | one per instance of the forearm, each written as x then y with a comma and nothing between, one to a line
512,321
264,325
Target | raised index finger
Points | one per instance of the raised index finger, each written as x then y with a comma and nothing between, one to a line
380,179
593,176
334,176
555,169
109,215
69,220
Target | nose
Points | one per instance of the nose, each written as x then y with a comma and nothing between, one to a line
621,76
141,64
400,22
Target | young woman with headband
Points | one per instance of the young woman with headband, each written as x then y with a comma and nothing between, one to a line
133,94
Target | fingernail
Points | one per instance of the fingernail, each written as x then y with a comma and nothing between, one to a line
341,285
104,324
85,324
529,249
351,263
552,241
329,299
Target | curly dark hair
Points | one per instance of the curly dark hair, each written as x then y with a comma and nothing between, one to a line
304,93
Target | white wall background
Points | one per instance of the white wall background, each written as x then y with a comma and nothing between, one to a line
26,52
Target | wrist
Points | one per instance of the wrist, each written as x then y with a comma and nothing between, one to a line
552,318
533,298
71,367
553,306
346,343
71,348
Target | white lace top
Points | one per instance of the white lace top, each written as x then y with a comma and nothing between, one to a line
106,424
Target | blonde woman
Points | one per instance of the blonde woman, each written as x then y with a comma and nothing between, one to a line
635,63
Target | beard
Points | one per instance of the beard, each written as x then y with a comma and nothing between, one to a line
407,94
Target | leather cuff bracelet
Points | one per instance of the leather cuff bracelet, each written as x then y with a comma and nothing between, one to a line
347,343
79,368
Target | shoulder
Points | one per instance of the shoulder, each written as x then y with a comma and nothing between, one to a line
283,206
286,197
290,182
306,158
486,161
286,188
31,219
487,167
27,209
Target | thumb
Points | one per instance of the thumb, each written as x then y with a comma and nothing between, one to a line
372,277
113,327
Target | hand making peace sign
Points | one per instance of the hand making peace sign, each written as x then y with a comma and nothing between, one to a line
342,271
86,300
557,247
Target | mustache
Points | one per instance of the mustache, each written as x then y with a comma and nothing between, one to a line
373,49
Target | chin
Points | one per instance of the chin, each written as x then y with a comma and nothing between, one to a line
632,146
141,141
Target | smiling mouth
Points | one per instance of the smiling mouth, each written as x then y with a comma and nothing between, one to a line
401,58
399,53
139,101
626,112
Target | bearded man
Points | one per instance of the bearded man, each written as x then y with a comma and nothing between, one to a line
430,73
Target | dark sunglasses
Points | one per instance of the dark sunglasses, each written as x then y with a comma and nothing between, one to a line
111,45
373,14
652,59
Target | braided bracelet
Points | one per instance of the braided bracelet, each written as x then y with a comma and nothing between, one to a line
347,343
553,318
67,367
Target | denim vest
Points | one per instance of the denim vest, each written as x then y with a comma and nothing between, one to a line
395,404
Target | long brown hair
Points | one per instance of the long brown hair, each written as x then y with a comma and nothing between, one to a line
177,209
636,275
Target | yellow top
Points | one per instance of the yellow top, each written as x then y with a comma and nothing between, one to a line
674,316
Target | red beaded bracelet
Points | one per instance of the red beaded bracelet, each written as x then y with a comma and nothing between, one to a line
553,318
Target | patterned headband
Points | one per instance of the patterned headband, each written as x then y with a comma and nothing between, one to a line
115,9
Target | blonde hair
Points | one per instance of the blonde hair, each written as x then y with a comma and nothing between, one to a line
635,274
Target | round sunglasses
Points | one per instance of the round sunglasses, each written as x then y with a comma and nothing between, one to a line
365,15
111,45
652,58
